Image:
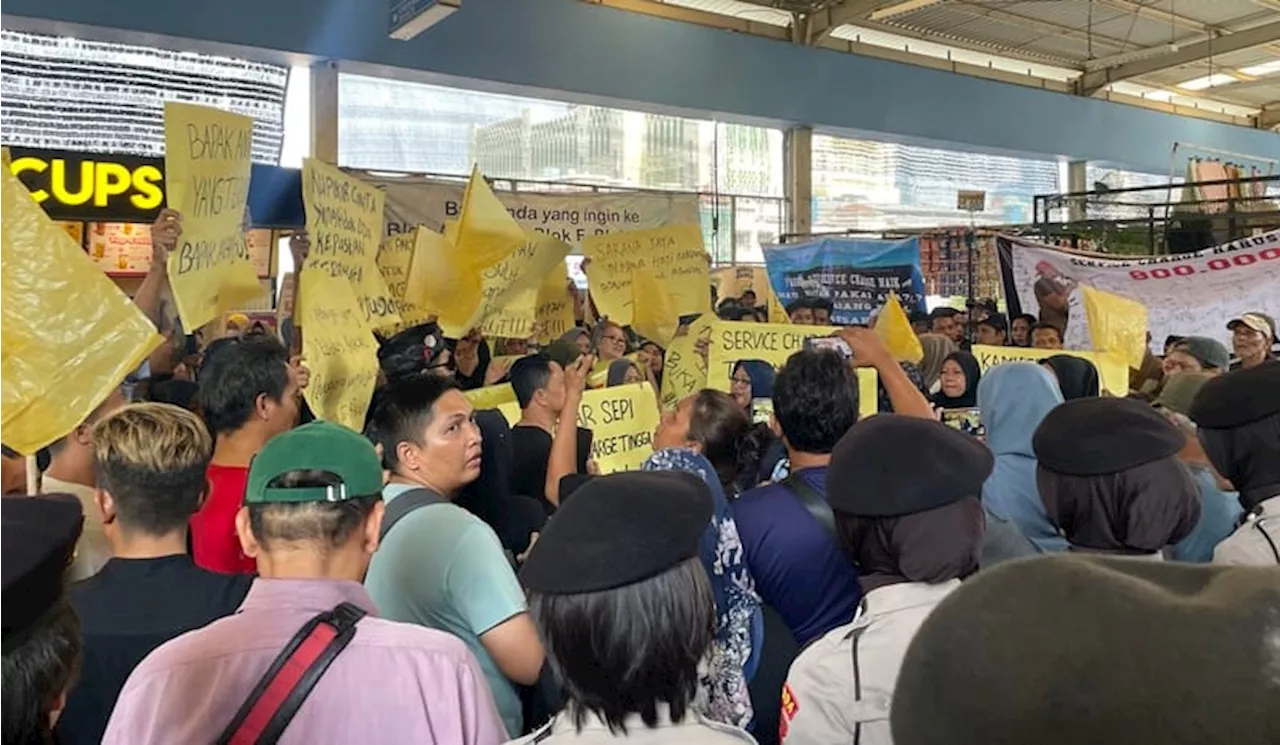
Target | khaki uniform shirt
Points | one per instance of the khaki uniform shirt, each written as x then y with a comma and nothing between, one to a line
694,730
92,550
840,687
1257,541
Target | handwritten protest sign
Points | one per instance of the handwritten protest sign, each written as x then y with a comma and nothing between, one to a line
684,371
1112,370
395,257
731,341
622,420
70,335
344,219
207,162
340,350
674,256
554,312
509,288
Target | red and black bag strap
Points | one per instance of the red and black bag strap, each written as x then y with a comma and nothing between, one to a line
292,675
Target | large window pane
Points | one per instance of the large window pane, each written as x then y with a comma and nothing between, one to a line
875,186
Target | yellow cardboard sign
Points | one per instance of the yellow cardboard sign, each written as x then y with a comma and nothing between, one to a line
1116,324
622,421
339,348
1113,372
208,156
70,335
492,396
654,313
674,255
893,326
554,312
344,220
509,288
684,371
774,343
394,259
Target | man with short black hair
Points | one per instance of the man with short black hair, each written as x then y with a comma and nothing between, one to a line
1046,336
312,518
150,462
1020,329
822,310
547,400
441,566
799,567
249,393
800,311
947,321
993,330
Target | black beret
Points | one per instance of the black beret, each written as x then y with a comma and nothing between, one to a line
1238,397
39,540
891,464
1172,657
618,530
1097,436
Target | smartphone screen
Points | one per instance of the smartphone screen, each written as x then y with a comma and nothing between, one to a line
830,343
965,420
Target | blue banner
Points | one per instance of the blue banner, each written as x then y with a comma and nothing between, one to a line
855,274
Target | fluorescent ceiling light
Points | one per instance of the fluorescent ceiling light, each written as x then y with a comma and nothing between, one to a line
1266,68
1208,81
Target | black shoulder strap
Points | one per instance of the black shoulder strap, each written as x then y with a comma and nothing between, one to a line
405,503
814,502
265,714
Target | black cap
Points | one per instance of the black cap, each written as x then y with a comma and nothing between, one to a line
996,321
411,351
1238,397
618,530
39,540
1097,436
876,468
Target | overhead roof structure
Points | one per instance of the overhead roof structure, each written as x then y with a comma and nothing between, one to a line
1218,59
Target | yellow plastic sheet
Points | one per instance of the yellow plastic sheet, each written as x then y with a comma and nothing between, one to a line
894,328
486,232
1117,325
339,348
439,285
491,396
654,313
207,163
70,335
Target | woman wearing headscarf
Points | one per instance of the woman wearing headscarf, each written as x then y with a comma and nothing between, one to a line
936,349
579,337
958,382
1076,376
1110,478
914,533
739,624
623,372
1013,399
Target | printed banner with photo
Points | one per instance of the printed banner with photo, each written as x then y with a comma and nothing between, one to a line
1185,294
856,275
571,217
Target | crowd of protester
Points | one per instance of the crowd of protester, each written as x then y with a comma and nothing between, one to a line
1067,564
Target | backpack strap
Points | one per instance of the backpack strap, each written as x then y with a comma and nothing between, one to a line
263,716
402,505
813,502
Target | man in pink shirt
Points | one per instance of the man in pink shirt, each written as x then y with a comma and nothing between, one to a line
312,515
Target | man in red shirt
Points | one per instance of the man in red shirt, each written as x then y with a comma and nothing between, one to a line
249,393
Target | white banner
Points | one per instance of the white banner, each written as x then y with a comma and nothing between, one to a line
1185,294
569,216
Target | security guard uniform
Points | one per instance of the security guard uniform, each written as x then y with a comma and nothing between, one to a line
694,730
1257,541
840,687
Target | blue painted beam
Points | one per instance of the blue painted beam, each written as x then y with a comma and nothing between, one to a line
600,54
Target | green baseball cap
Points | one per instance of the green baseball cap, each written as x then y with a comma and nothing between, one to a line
316,446
1180,389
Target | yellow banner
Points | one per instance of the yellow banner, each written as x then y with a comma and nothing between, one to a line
207,162
70,335
509,289
394,259
492,396
674,255
1117,325
774,343
344,220
1112,370
554,313
339,348
684,371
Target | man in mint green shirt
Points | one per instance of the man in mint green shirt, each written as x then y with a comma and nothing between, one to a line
440,566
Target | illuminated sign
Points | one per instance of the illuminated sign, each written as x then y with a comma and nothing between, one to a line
85,186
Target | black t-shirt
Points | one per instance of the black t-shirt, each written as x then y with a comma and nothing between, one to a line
127,610
531,447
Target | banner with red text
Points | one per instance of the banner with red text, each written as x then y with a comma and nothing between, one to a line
1185,294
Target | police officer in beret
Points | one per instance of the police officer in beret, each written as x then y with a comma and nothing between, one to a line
625,610
42,643
913,533
1238,420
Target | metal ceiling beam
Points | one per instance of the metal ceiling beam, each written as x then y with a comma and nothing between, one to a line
822,23
1095,80
1269,117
